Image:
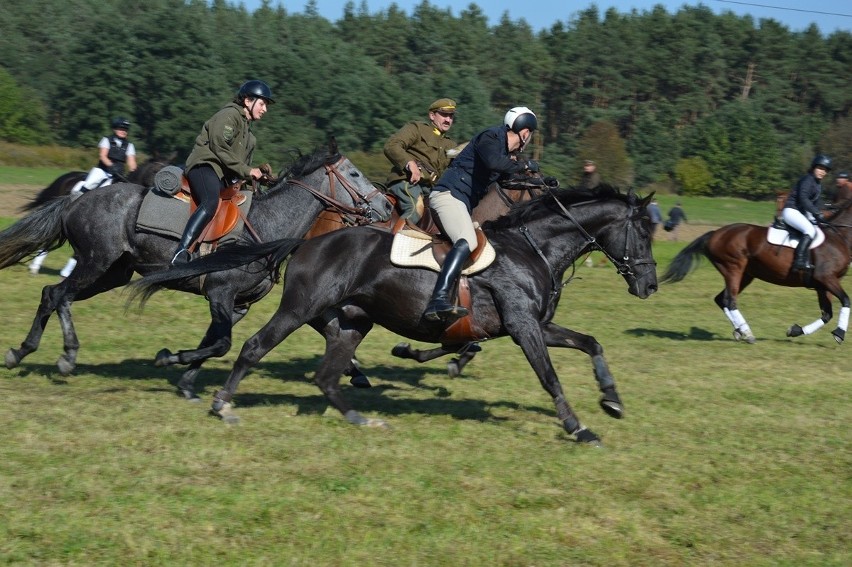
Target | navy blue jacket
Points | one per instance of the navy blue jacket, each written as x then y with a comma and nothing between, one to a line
481,162
805,195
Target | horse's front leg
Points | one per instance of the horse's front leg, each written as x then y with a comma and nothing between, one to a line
50,296
826,313
454,367
556,336
530,337
727,302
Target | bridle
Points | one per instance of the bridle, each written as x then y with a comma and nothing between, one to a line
359,214
625,266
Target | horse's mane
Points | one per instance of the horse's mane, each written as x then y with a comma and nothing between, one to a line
304,164
543,205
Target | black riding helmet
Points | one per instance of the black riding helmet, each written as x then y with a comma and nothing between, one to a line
120,123
821,160
255,89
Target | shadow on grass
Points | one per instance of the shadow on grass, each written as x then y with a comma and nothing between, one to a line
386,380
694,334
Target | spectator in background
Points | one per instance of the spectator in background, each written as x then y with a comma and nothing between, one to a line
418,155
844,186
656,216
676,218
591,178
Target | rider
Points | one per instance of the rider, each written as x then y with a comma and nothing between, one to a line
113,153
490,154
801,211
222,154
418,153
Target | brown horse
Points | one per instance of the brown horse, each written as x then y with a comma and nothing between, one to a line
742,253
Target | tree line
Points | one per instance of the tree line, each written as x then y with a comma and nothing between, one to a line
706,104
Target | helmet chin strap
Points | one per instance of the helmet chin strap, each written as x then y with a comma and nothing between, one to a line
524,142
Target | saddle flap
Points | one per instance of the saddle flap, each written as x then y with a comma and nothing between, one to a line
780,235
441,247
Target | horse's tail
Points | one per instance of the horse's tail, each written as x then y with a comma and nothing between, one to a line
41,230
687,259
226,258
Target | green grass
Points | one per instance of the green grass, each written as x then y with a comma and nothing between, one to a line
718,211
37,177
730,454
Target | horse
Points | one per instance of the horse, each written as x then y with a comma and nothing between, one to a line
741,253
62,185
100,225
356,286
501,197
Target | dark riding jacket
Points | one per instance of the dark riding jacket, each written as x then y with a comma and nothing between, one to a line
226,144
117,153
805,196
484,160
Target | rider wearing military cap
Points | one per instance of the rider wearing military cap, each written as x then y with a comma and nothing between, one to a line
221,155
418,155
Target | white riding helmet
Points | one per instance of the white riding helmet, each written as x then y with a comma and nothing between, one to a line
520,117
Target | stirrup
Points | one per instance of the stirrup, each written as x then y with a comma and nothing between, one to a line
182,256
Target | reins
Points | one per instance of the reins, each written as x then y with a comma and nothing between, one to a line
357,215
623,267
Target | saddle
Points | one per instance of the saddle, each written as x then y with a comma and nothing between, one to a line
782,235
415,247
227,212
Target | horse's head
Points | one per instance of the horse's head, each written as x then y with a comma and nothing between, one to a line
618,225
335,180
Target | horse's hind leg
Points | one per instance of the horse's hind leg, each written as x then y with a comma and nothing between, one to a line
727,302
50,296
454,367
556,336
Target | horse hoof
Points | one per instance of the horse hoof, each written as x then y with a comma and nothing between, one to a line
188,395
453,369
360,381
401,350
225,412
12,359
839,335
376,423
65,366
612,408
588,437
163,357
795,331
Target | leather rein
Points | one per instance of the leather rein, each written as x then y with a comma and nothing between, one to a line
360,214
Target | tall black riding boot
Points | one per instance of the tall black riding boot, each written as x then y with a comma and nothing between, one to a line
802,259
440,307
194,226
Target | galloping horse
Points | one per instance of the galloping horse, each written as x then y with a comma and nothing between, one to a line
356,285
100,225
742,253
62,185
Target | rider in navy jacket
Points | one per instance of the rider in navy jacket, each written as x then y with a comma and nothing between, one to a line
802,211
490,154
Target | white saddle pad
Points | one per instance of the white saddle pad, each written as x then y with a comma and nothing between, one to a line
416,252
783,238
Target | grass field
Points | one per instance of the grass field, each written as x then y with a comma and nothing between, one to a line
730,454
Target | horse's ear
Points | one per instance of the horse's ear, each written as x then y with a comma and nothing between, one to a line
332,146
648,199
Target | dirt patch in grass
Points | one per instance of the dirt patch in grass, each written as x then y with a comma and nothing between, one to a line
13,197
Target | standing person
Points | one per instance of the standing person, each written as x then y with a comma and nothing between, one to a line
490,154
113,153
655,215
591,178
676,217
802,209
221,155
418,155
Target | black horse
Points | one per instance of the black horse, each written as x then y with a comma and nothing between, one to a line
356,285
100,225
62,185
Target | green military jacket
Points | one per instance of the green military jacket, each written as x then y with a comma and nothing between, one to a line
423,143
225,143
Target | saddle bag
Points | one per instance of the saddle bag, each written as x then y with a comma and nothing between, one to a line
168,180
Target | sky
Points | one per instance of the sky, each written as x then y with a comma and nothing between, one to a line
828,15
